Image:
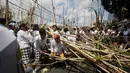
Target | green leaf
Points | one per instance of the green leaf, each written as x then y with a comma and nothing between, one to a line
124,9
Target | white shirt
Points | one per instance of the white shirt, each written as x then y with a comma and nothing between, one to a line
36,33
95,32
40,44
73,39
57,47
66,34
92,32
82,32
23,38
10,30
75,32
54,32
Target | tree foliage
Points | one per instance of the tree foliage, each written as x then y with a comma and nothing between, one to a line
120,8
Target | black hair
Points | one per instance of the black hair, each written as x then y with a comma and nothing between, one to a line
42,31
74,28
66,29
54,26
35,27
10,26
2,21
22,25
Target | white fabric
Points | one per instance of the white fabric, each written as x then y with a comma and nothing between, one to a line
2,28
82,32
67,33
36,33
39,43
92,32
23,38
57,47
12,23
11,31
31,35
75,32
72,38
95,32
54,32
105,33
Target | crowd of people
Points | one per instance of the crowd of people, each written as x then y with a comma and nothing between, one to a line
38,41
117,37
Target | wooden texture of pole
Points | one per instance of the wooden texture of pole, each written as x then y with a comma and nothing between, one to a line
63,16
91,21
54,16
77,14
84,19
7,13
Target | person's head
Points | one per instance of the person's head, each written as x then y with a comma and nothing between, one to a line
35,27
23,27
74,29
42,32
54,27
11,26
66,29
56,38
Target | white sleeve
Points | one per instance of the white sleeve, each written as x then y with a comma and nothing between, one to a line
68,33
64,48
26,36
53,46
37,45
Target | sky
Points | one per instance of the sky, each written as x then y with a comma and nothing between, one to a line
73,9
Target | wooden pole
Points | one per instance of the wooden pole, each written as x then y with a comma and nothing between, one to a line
63,17
54,16
91,21
72,19
84,18
77,14
7,12
32,11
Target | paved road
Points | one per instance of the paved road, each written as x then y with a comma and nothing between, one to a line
54,70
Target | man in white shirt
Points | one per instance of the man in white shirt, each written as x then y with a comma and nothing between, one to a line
23,38
57,47
35,30
66,32
72,38
34,33
40,44
11,28
55,30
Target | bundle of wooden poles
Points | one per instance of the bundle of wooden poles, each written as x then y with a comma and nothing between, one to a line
106,59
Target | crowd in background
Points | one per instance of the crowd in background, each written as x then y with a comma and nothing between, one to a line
39,40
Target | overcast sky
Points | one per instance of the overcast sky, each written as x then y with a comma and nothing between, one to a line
72,7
